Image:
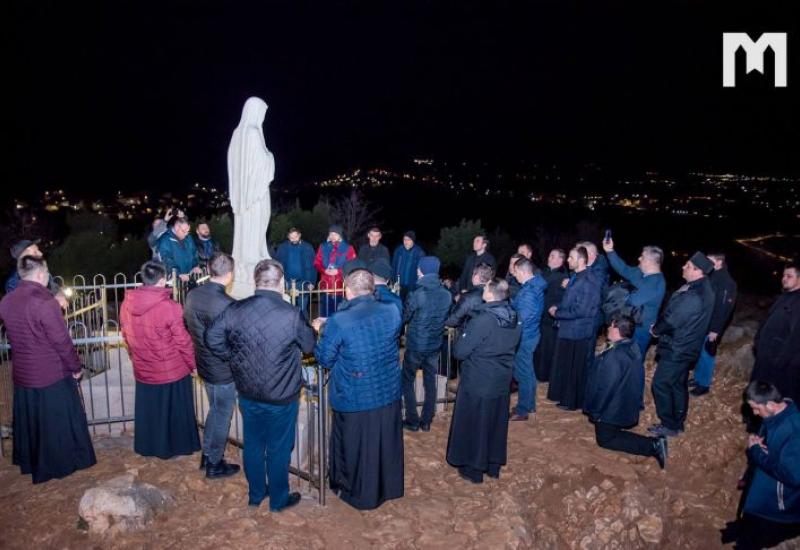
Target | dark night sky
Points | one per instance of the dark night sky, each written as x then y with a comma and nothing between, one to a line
136,95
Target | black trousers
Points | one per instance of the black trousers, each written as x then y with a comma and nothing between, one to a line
671,393
617,438
753,533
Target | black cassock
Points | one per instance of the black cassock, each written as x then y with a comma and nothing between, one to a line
366,456
479,428
51,438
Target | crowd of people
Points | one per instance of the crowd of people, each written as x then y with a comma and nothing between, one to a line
533,326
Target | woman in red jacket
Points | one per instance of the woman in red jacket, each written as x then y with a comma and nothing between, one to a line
163,359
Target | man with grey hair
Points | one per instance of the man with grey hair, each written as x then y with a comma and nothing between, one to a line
203,305
262,338
359,344
649,287
51,438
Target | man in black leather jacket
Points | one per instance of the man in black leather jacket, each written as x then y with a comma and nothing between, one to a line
681,330
203,305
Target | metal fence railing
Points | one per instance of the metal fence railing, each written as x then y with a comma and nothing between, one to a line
108,386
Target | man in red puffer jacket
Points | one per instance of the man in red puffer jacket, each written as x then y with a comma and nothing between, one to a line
163,359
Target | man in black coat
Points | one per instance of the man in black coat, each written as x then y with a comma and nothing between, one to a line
261,338
557,276
777,343
373,250
614,394
480,255
487,345
681,330
203,305
724,288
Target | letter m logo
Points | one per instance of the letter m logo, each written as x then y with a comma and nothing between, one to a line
732,41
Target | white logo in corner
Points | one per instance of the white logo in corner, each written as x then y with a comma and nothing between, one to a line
732,41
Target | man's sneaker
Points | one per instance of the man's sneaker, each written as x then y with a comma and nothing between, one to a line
697,391
660,448
425,426
203,461
654,428
692,383
294,500
410,426
518,417
663,431
221,469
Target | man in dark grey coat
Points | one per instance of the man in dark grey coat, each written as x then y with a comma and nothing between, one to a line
203,305
681,330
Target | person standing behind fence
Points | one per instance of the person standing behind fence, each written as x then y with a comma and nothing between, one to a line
263,338
51,438
479,429
425,312
329,262
204,304
359,344
576,316
297,258
205,244
405,261
162,354
373,250
177,250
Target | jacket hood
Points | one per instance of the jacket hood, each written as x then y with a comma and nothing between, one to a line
143,299
502,311
431,280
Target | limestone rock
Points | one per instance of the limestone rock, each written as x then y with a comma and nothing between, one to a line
121,504
651,529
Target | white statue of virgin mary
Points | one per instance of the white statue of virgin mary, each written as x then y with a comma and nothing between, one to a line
251,168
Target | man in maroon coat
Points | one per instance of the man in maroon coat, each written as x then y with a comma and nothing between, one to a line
51,438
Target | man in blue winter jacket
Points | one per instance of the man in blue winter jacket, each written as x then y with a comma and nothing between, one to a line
650,287
405,261
529,304
772,498
177,250
359,343
425,312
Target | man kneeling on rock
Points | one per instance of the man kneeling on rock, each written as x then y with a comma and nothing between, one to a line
772,497
614,394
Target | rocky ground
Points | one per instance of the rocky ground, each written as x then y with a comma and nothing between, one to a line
558,491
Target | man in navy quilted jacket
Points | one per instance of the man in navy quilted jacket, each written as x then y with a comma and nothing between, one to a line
359,344
261,338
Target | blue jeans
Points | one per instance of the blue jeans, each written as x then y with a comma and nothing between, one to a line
221,398
523,374
428,361
704,370
269,432
642,338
